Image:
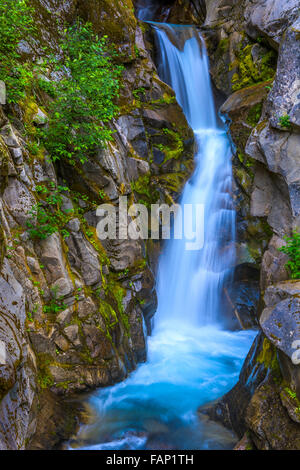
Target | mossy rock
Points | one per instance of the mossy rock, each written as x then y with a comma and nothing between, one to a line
114,18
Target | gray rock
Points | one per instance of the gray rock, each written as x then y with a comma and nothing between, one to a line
2,93
73,225
40,118
9,136
19,372
51,256
18,200
281,324
284,98
17,154
280,291
273,264
83,257
86,308
72,333
62,343
131,127
270,18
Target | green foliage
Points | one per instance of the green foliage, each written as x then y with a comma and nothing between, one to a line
254,114
47,216
292,249
139,92
84,97
284,121
137,51
16,24
143,187
56,304
293,396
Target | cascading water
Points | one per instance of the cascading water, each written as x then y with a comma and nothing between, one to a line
184,65
191,359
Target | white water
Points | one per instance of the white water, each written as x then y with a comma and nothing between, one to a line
199,274
191,359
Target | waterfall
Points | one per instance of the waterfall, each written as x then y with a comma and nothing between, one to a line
192,359
201,274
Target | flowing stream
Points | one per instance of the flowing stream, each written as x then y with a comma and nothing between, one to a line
192,359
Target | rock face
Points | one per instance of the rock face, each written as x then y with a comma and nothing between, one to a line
73,309
270,18
262,107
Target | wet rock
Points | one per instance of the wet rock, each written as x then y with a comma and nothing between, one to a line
270,425
245,443
56,421
230,409
243,297
280,323
97,343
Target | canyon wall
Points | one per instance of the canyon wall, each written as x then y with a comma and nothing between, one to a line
73,309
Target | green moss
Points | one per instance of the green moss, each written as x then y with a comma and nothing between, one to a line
248,73
165,99
175,148
143,186
3,246
44,378
173,181
4,162
268,357
108,314
63,385
254,114
223,46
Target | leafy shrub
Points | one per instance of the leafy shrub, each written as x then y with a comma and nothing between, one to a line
16,23
292,249
84,98
47,216
56,304
284,121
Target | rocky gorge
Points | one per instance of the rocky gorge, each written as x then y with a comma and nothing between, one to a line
73,311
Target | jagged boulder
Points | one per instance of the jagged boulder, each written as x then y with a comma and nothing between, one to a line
270,18
280,323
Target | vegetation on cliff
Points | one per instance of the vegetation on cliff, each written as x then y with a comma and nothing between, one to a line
84,99
292,249
16,24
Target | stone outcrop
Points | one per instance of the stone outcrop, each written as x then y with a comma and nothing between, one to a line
73,309
262,107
